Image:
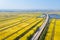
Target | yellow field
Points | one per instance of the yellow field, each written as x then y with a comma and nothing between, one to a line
19,26
57,30
53,32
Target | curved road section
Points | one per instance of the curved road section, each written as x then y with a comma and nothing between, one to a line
38,33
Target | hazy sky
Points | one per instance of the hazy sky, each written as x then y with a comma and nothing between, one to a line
30,4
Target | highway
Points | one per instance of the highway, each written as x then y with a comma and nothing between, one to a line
39,32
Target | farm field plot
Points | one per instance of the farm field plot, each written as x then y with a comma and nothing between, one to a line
19,26
57,30
53,32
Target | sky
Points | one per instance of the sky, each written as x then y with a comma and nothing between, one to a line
30,4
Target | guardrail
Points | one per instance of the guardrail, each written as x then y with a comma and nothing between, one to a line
39,32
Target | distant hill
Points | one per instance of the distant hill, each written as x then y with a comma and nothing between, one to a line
36,10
